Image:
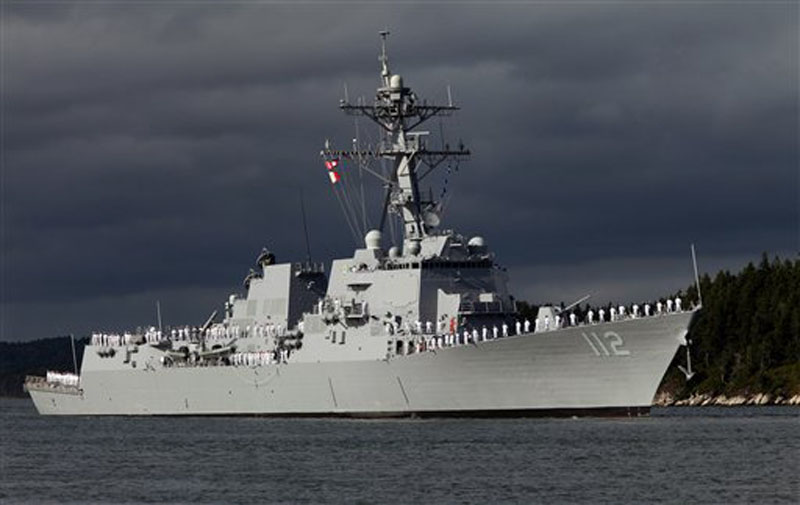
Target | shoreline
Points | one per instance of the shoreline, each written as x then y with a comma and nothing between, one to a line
707,400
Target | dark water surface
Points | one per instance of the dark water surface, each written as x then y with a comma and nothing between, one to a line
686,456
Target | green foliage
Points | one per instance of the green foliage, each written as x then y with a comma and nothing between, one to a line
746,339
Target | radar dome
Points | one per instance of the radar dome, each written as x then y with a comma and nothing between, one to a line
394,252
373,239
412,247
396,82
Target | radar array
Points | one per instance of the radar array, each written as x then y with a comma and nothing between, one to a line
404,153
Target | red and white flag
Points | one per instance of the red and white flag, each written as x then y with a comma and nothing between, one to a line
332,172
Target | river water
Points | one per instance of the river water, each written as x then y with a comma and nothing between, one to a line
682,456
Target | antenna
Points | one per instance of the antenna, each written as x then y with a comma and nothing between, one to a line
74,357
697,278
158,311
305,226
383,58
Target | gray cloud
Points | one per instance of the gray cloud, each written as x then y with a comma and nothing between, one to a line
149,152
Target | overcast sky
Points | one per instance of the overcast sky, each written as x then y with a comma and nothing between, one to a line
151,149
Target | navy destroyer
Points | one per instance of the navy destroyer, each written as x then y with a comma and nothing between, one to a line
423,326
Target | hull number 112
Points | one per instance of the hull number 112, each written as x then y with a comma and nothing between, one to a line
611,344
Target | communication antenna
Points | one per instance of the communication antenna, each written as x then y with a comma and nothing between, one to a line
74,357
305,226
158,311
697,278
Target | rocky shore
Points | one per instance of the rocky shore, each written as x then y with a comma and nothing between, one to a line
701,400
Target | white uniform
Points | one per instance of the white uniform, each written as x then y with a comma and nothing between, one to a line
590,316
505,330
518,327
677,304
669,305
646,310
601,314
494,331
527,326
659,307
635,310
572,318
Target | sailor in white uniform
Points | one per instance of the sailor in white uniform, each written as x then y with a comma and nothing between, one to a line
572,319
590,316
527,326
678,304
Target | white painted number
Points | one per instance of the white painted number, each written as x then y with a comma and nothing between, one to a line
600,346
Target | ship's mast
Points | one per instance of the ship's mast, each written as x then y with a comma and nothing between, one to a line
397,111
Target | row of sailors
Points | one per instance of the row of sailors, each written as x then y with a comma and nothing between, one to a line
112,339
618,313
221,332
153,335
259,358
66,379
522,327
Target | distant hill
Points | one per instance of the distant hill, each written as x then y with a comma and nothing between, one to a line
745,341
19,359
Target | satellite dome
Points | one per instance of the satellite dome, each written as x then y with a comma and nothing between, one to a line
476,242
395,82
394,252
373,239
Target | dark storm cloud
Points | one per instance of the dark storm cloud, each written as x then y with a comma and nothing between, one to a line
150,151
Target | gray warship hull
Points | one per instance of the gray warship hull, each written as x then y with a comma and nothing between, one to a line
612,367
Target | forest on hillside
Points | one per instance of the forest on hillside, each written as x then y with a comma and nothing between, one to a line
18,359
745,340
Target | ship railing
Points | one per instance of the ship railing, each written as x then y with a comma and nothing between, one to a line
309,267
495,307
38,383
